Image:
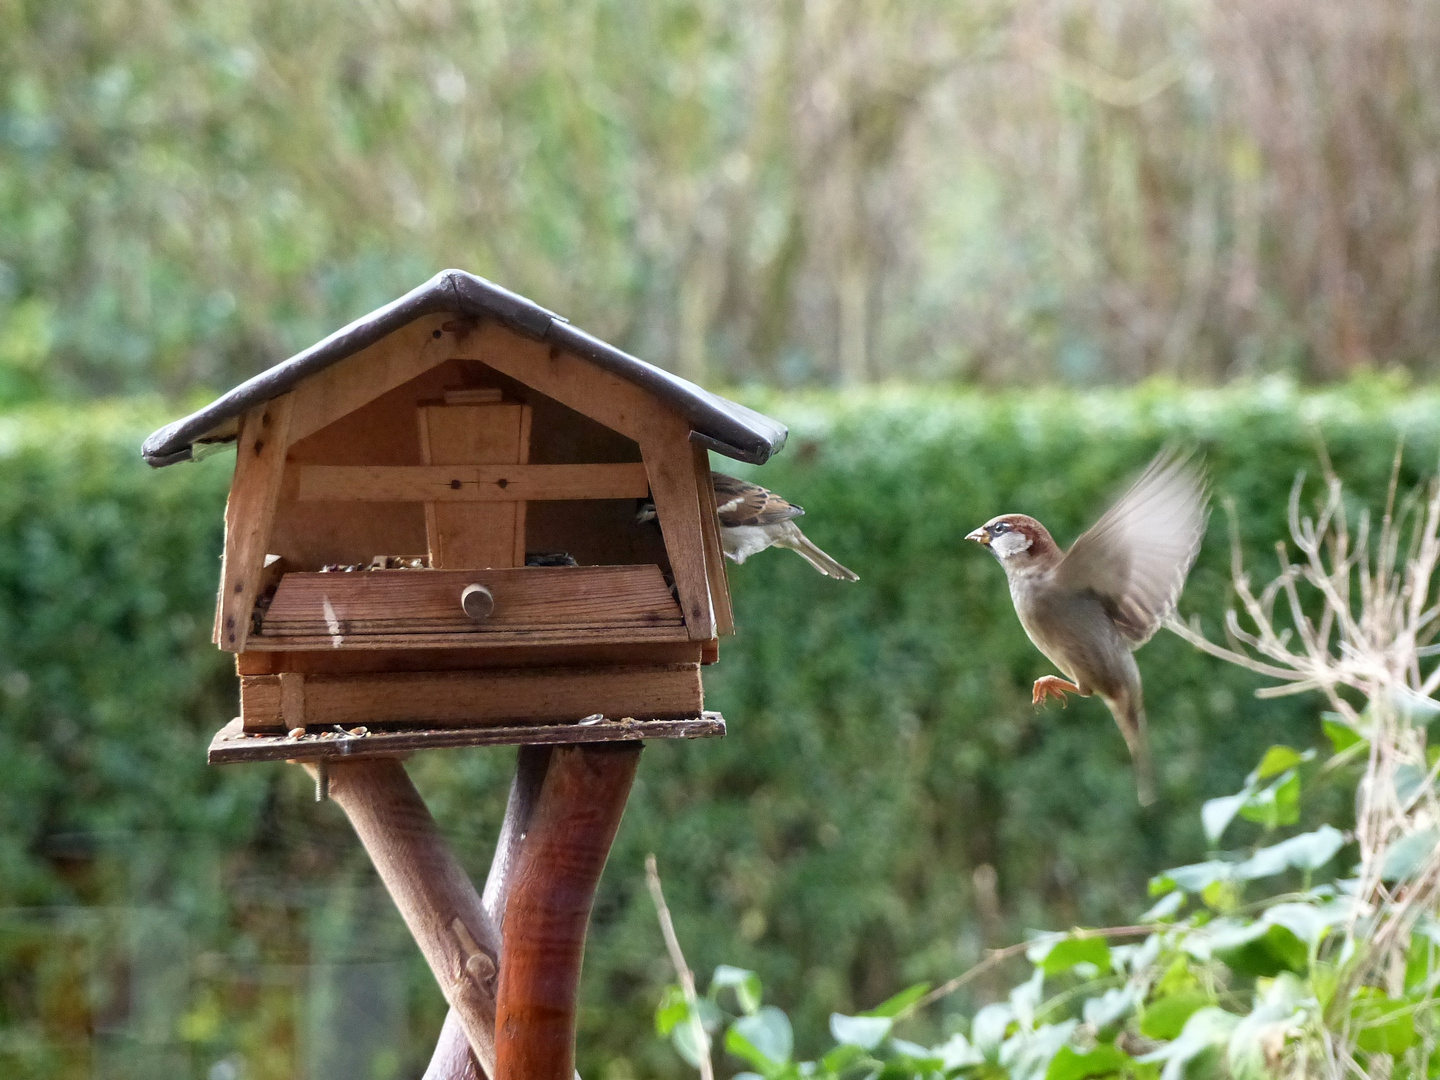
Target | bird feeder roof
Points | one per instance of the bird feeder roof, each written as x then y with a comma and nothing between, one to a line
722,425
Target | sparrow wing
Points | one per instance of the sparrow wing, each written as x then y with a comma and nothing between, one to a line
740,503
1136,556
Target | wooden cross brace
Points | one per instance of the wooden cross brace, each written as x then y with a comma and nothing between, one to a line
507,961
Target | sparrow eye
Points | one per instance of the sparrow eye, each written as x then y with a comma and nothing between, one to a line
1000,527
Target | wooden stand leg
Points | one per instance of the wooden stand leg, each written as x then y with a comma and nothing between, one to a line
548,908
435,897
453,1059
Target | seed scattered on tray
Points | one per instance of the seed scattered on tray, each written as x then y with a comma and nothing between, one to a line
296,732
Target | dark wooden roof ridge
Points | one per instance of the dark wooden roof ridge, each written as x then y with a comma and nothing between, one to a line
722,425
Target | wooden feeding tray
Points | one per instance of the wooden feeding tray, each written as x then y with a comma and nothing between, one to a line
232,744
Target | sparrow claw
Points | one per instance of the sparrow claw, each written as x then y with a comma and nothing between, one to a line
1052,686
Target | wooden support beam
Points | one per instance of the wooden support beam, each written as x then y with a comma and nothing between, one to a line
548,908
436,899
250,516
453,1058
714,551
670,464
466,698
467,534
470,483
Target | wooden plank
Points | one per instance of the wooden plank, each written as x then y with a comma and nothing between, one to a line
575,821
467,534
359,661
463,698
671,467
570,598
250,514
377,369
231,745
470,483
714,552
610,636
619,405
292,700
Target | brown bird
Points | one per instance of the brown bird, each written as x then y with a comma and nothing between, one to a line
1089,608
753,518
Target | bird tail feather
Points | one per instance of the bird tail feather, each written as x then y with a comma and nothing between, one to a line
817,558
1130,716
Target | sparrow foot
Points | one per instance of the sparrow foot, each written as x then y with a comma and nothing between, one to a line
1052,686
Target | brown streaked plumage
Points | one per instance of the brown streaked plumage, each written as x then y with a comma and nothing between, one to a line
1090,608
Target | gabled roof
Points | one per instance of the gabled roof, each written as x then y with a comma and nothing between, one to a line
722,425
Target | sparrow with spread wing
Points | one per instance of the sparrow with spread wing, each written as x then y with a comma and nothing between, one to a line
753,518
1088,609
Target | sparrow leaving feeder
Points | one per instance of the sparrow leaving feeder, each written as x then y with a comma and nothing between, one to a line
431,541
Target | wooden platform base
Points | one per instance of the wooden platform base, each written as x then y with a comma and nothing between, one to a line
232,744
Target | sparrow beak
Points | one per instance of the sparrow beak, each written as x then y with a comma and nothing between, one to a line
980,536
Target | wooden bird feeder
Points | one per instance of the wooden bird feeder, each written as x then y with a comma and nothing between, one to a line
432,540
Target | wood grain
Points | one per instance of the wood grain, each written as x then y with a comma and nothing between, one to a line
548,910
232,745
671,467
346,661
357,380
470,483
474,534
714,552
466,698
343,606
250,515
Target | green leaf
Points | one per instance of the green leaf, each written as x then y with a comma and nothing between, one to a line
867,1032
1164,1019
1277,805
688,1043
1164,908
1308,851
1195,877
1410,782
1109,1008
957,1053
1217,814
1409,854
987,1030
1384,1025
900,1002
1341,735
1206,1029
746,985
1260,948
1276,760
1308,922
1072,1064
671,1010
1056,954
764,1038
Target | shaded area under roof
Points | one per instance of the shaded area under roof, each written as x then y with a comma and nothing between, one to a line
722,425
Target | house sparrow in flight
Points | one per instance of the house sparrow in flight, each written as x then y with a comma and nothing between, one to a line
753,518
1089,608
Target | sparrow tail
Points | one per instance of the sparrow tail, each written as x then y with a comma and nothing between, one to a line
1130,716
799,542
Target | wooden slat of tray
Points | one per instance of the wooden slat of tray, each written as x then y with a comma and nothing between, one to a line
527,599
231,745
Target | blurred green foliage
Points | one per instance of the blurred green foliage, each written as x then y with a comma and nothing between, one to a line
161,917
846,190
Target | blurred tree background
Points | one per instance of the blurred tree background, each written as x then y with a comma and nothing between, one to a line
1029,199
807,190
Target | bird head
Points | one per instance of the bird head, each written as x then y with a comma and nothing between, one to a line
1015,540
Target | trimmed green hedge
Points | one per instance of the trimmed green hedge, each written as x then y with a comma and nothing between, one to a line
882,744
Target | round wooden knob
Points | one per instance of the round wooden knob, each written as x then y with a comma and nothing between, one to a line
478,602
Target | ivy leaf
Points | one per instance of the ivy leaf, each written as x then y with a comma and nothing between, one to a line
746,985
1207,1029
1164,1019
764,1038
1109,1008
1217,814
1164,908
1308,851
1385,1025
957,1053
671,1010
687,1043
1276,805
1259,948
1057,954
1408,854
1341,735
1410,782
1276,760
900,1002
867,1032
1197,876
987,1030
1071,1064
